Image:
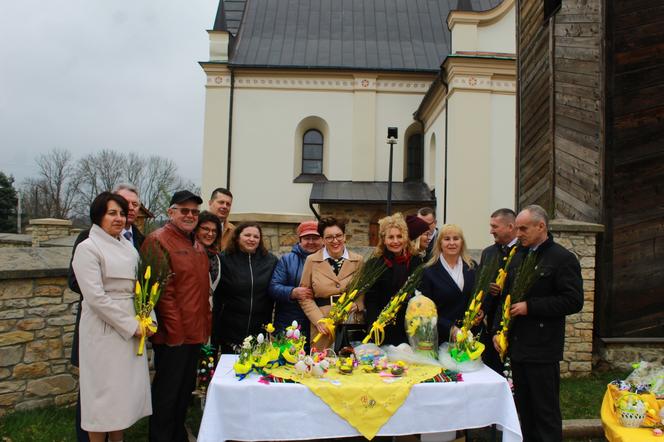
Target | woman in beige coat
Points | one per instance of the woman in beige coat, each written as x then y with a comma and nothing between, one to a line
114,381
327,273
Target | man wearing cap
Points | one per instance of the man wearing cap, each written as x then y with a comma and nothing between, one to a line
183,315
285,284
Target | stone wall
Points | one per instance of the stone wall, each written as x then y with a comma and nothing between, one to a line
580,238
622,353
362,220
48,228
37,314
279,238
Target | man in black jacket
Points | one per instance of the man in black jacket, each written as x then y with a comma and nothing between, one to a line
503,228
537,335
131,232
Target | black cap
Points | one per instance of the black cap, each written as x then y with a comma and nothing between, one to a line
184,195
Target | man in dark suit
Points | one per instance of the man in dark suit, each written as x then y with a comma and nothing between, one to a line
503,228
131,232
428,215
537,334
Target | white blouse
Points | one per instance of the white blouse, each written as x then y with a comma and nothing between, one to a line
455,272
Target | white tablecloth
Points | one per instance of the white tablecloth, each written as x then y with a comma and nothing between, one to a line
248,410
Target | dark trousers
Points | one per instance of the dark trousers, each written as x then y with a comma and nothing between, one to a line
537,397
174,380
490,356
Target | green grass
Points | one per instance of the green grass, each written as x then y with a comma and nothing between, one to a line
53,424
581,398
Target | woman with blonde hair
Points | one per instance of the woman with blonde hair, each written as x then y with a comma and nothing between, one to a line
397,252
449,278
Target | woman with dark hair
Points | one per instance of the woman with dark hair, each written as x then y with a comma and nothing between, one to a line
401,258
206,234
327,273
241,304
114,381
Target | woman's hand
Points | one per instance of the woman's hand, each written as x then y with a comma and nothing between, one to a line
453,333
322,328
139,331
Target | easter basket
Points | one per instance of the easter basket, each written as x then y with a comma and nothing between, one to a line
630,410
631,419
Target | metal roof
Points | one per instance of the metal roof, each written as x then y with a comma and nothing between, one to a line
392,35
229,15
370,192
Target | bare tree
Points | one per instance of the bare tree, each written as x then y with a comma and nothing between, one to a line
55,190
65,188
99,172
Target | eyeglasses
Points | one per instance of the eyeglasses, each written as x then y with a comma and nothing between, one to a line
208,231
332,238
186,211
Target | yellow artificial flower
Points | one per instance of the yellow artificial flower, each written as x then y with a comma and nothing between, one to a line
269,328
148,272
137,289
155,287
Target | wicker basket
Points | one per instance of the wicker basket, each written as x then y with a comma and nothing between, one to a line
631,420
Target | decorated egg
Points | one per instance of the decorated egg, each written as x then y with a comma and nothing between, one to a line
301,367
317,371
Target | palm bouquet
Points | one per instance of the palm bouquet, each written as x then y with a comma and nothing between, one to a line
152,275
524,278
362,280
389,313
466,346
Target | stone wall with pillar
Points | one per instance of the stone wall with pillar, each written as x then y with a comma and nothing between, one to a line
581,239
37,314
45,229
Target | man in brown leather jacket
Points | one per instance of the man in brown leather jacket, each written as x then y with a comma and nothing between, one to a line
183,315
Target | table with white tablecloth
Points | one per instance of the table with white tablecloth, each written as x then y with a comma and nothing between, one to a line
249,410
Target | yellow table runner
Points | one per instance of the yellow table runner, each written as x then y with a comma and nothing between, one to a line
615,432
365,400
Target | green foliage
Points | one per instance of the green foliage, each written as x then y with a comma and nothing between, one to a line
8,201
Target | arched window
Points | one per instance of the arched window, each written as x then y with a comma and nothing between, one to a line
312,152
415,158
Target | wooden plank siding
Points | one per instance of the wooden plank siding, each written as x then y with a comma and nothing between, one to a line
591,143
634,203
534,161
578,134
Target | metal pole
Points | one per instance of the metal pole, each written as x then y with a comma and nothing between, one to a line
389,180
18,212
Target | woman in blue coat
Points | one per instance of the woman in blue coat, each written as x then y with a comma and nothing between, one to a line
448,279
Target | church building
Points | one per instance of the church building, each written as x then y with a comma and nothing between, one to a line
300,94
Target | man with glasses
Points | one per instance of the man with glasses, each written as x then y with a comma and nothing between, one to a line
183,315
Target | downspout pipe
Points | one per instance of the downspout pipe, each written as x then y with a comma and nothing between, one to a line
316,214
230,132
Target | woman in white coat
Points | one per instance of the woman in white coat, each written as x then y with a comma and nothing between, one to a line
114,381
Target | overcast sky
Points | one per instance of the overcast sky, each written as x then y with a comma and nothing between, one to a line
92,74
